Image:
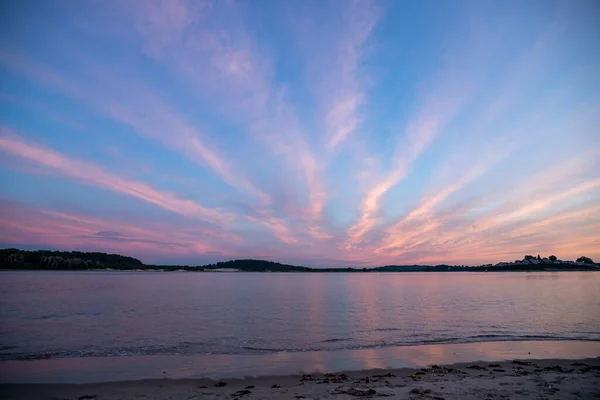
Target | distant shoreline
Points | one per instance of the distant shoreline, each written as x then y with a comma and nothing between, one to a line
47,260
315,270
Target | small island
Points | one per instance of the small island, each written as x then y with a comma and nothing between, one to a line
15,259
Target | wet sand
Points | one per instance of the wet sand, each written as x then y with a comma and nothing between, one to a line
523,379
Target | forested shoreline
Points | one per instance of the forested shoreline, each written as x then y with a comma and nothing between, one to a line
15,259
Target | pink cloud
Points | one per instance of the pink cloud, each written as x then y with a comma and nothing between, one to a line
574,216
280,229
418,137
166,22
140,108
94,175
525,219
68,231
444,100
534,208
444,97
424,214
342,119
343,89
227,64
521,231
149,115
233,68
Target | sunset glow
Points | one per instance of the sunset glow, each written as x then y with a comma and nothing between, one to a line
317,133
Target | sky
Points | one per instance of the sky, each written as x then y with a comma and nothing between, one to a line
319,133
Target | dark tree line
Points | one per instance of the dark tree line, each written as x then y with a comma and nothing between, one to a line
70,260
582,259
76,260
585,259
256,266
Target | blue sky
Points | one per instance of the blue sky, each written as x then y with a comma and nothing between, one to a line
321,133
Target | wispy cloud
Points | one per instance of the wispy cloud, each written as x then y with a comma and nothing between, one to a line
34,226
342,81
413,229
523,225
227,63
143,110
444,96
140,108
423,215
94,175
149,115
174,132
418,137
533,208
562,219
280,229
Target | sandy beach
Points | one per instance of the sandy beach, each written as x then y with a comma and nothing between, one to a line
526,379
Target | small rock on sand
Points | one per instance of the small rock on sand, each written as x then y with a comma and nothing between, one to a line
420,391
358,392
388,375
475,366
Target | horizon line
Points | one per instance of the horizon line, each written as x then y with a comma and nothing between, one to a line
525,257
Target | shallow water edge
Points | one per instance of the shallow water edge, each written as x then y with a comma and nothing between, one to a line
108,369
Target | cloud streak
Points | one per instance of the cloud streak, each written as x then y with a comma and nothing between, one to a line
240,77
141,109
418,137
28,225
347,93
94,175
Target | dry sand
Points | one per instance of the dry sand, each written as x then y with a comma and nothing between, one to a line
530,379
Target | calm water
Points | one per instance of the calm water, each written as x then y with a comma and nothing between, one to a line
80,314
